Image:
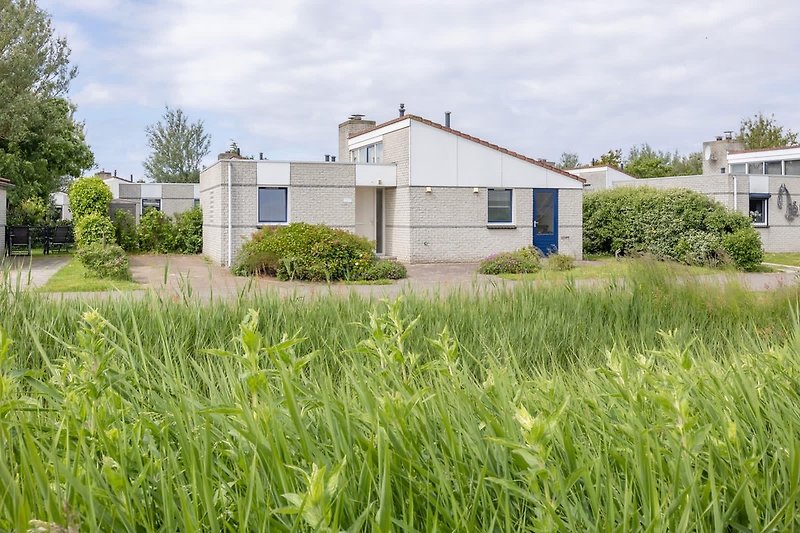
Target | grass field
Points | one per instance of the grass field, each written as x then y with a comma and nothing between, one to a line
649,405
791,259
605,268
73,277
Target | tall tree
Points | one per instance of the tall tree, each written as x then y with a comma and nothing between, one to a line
644,162
688,165
612,158
41,143
568,160
761,131
178,148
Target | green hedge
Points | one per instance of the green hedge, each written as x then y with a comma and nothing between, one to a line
87,196
523,261
105,261
94,228
675,224
311,252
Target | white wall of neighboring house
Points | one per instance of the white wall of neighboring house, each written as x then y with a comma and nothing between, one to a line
601,178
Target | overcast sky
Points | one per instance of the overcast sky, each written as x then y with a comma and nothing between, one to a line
538,77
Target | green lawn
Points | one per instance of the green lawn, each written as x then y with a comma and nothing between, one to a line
608,267
73,277
791,259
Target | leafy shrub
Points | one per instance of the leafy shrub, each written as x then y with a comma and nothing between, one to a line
560,262
523,261
188,238
105,260
384,269
307,252
676,224
155,232
744,248
31,212
94,228
125,230
87,196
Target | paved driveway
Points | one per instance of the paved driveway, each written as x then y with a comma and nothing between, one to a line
30,272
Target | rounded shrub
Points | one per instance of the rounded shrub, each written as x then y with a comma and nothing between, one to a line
523,261
31,212
385,269
89,196
188,235
105,261
125,230
560,262
674,224
305,252
744,248
155,232
94,228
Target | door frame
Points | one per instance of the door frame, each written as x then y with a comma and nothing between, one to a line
380,218
554,246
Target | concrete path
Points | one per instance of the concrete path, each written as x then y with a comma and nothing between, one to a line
29,272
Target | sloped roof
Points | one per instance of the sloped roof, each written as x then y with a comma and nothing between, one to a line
473,139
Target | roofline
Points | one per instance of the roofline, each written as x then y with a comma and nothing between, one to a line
790,147
473,139
601,167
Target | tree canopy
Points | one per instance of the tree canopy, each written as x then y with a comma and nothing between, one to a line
40,140
761,131
178,147
568,161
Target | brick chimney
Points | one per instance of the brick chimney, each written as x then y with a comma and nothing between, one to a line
232,153
715,153
354,124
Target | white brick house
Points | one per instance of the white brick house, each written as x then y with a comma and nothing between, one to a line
4,184
421,191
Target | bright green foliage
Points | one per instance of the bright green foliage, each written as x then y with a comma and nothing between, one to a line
675,224
89,196
107,261
645,162
612,158
306,252
384,269
744,248
761,131
188,238
645,406
31,212
155,232
178,148
94,228
523,261
125,230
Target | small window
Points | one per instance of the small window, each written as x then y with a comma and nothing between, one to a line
755,168
792,168
774,168
151,203
737,168
272,205
500,206
759,204
197,202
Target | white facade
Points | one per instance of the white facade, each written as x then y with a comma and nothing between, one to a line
601,178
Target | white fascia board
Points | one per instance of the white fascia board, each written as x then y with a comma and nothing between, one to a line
374,136
777,154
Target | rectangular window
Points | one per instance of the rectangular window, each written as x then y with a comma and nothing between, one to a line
272,205
792,168
197,202
737,168
500,206
372,153
758,209
151,203
755,168
774,168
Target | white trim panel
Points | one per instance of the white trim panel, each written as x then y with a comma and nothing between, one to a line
151,190
766,155
272,173
375,135
759,184
373,175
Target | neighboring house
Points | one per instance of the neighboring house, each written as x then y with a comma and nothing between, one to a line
601,178
420,191
4,184
764,184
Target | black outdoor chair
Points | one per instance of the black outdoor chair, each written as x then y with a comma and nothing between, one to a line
18,240
59,239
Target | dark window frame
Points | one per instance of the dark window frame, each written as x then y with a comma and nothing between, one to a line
763,199
510,219
157,201
263,219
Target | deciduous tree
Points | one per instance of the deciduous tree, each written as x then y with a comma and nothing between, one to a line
761,131
568,160
178,147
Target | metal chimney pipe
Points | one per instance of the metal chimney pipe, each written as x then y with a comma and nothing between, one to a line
447,119
327,158
333,159
402,109
260,156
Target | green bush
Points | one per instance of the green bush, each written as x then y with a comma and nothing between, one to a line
560,262
523,261
125,230
105,260
744,248
87,196
188,237
675,224
31,212
94,228
306,252
155,232
384,269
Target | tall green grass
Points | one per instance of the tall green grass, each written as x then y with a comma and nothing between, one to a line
649,405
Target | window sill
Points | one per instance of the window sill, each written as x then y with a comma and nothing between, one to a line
501,226
760,225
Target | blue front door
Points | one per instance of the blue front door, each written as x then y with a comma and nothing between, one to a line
545,220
